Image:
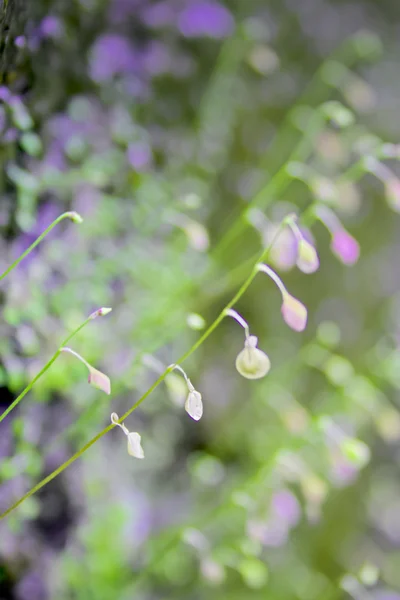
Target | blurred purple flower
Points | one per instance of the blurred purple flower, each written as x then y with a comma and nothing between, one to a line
386,595
111,55
5,94
157,59
120,10
270,533
161,14
31,587
20,41
345,247
205,18
51,27
139,156
286,506
10,135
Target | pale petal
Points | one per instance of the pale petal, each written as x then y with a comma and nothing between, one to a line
294,313
134,446
194,405
99,380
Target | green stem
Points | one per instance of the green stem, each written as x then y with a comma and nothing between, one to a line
263,256
42,371
67,215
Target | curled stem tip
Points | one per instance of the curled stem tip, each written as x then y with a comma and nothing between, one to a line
229,312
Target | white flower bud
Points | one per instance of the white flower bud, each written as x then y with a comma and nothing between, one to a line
252,362
134,446
194,405
134,439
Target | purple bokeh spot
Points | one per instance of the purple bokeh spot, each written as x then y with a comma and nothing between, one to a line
345,247
156,59
31,587
159,15
205,19
286,506
111,55
139,156
51,27
20,41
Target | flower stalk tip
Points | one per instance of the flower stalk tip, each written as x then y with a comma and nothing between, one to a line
74,216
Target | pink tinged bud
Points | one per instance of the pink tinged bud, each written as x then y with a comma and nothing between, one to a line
100,312
345,247
294,312
99,380
307,257
194,405
134,445
392,191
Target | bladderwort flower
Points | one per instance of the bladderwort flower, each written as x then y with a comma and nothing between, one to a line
343,245
96,378
193,404
134,439
307,257
251,362
293,311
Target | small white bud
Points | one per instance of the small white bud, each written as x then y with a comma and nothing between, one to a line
134,446
134,439
252,362
194,405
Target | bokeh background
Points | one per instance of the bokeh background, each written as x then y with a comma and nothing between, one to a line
159,122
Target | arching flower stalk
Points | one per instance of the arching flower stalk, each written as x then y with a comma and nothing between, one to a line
293,311
134,439
251,362
307,257
193,404
96,378
343,245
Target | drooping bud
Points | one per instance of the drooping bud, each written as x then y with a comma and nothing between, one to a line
294,312
100,312
252,362
134,439
134,445
193,404
345,247
99,380
307,258
96,378
74,216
